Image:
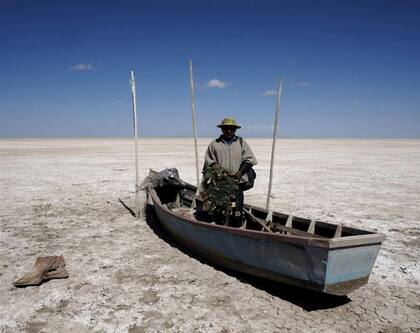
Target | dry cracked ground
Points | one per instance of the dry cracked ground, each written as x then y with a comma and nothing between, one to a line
127,275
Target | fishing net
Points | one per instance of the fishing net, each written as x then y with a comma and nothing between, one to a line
220,190
163,178
167,185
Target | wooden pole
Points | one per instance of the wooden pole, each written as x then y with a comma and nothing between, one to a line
276,120
137,185
194,124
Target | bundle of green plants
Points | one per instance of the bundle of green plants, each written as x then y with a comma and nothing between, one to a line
219,193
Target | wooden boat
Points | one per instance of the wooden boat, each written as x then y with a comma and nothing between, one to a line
325,257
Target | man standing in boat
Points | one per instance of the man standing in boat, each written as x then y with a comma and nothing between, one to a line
232,154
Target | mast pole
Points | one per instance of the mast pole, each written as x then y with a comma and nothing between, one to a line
276,120
194,124
134,105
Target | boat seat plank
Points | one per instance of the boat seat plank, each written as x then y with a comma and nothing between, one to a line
338,230
289,221
311,228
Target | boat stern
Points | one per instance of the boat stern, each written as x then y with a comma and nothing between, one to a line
349,268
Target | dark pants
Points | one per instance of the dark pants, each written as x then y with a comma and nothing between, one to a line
237,216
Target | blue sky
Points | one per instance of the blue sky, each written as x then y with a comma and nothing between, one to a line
351,68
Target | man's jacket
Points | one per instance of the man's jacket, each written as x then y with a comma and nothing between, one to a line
229,156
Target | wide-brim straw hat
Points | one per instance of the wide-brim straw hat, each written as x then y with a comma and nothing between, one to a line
228,122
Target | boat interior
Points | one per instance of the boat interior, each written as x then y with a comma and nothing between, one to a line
182,200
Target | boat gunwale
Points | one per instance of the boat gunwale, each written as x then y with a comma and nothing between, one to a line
324,224
330,243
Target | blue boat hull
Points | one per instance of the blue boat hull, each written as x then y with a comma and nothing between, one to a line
323,265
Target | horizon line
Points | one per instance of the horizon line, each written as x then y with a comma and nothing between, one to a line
203,137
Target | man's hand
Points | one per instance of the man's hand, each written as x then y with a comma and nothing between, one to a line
215,166
237,175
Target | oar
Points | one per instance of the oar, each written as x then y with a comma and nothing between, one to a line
292,231
256,219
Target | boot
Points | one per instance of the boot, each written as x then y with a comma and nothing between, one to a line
44,269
